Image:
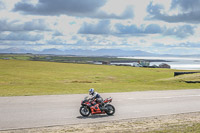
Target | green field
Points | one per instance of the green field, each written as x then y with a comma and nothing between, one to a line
19,77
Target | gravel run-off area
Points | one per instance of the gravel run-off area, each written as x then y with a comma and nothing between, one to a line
160,124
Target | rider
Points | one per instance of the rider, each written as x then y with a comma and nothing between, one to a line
96,96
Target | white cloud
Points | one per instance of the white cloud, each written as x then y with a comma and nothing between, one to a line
154,26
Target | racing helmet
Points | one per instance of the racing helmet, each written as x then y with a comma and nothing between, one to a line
91,91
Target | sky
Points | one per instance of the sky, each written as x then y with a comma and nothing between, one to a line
156,26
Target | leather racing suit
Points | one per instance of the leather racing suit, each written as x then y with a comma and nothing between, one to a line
98,98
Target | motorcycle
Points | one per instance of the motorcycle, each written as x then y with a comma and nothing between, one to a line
89,106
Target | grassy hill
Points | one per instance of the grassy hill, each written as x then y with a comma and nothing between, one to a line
18,77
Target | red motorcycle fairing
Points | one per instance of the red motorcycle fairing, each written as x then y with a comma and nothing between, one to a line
108,100
90,106
94,107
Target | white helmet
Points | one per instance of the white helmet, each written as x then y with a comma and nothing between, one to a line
91,91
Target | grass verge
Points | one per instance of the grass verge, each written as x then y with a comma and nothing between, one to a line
24,78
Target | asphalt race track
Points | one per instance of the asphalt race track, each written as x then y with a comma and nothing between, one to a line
39,111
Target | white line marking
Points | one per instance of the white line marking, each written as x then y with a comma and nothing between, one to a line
184,96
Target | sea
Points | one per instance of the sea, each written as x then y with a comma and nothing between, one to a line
179,63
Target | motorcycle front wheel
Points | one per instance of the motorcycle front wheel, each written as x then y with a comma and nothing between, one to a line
110,110
84,111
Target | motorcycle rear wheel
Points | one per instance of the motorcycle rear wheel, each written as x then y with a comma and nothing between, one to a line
110,109
84,111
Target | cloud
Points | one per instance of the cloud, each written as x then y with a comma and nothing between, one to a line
179,45
2,6
102,27
127,14
187,48
153,29
37,24
57,33
189,45
189,11
52,7
142,30
179,31
95,24
123,29
79,8
20,37
16,25
185,5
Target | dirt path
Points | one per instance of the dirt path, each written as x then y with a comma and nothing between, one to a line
172,123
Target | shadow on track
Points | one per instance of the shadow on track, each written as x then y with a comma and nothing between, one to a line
94,116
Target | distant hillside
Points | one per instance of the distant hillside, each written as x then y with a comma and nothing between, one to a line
99,52
80,52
